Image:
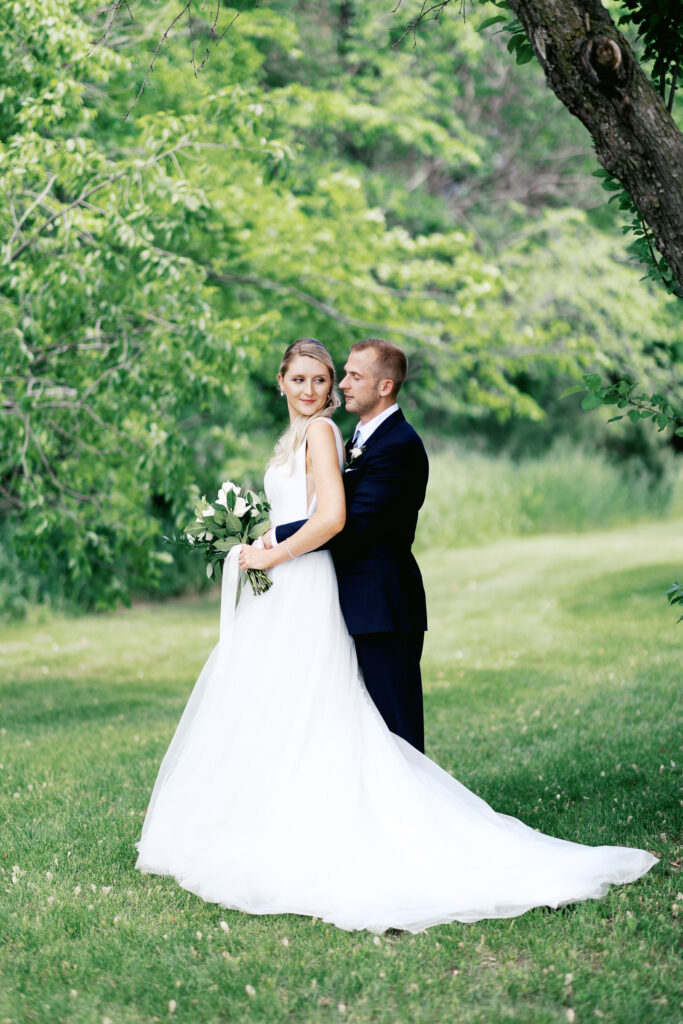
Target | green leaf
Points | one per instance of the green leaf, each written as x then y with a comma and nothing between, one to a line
226,543
613,419
516,41
634,415
257,529
573,390
524,55
592,381
162,556
591,402
491,21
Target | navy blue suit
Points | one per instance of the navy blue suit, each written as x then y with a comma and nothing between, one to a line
380,587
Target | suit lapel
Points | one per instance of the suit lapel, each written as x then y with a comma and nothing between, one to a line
377,435
384,428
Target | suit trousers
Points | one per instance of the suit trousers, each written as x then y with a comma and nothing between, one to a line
390,663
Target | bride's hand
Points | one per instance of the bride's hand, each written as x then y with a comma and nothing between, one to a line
252,557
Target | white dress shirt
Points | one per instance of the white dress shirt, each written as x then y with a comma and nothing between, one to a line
366,430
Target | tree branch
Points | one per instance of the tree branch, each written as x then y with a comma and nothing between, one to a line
86,193
592,69
323,307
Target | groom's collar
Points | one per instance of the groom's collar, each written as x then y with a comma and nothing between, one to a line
366,430
396,416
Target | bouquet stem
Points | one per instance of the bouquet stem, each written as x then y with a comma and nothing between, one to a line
260,580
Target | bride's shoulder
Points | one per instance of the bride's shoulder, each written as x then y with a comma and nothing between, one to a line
314,427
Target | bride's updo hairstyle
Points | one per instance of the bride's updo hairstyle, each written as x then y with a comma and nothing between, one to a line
294,434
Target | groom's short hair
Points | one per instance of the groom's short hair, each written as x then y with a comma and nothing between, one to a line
391,361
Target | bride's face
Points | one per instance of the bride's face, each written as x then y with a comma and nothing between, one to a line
306,383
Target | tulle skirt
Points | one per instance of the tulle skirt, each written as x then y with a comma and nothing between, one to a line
284,792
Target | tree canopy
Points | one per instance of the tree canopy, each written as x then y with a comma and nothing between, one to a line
312,179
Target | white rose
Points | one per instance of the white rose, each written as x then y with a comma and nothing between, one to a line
356,453
240,507
206,512
222,498
228,485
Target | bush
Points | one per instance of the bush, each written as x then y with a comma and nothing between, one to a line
474,498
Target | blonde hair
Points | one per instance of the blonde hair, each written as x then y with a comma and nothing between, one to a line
293,436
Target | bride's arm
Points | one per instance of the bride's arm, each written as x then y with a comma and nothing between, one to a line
329,516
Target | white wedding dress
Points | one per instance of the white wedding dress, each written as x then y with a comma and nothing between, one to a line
284,792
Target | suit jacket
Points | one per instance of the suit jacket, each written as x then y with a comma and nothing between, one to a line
380,585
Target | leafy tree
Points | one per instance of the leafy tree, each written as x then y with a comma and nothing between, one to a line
149,272
154,266
594,71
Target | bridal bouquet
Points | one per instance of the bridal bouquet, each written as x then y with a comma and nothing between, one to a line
235,517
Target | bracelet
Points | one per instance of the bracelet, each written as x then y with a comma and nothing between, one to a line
289,550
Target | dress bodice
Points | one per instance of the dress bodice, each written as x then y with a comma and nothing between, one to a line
285,485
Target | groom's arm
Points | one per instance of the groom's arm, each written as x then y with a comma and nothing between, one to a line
379,506
285,530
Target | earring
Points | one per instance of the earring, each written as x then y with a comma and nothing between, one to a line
282,394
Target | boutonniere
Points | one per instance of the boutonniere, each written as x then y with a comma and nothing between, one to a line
354,455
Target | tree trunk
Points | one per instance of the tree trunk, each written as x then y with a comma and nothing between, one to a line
592,69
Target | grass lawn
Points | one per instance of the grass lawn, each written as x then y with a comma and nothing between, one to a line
551,672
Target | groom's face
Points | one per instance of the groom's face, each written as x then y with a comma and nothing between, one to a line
361,386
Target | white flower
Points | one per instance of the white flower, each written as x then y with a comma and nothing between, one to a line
356,453
225,489
240,508
206,512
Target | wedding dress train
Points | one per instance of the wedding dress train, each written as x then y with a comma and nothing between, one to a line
284,792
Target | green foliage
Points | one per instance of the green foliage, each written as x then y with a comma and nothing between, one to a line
642,247
674,595
660,28
474,499
312,180
623,394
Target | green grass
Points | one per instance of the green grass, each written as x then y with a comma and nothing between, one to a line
550,675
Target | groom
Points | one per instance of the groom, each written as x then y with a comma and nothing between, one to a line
380,586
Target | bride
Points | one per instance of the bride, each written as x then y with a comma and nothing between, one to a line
283,791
